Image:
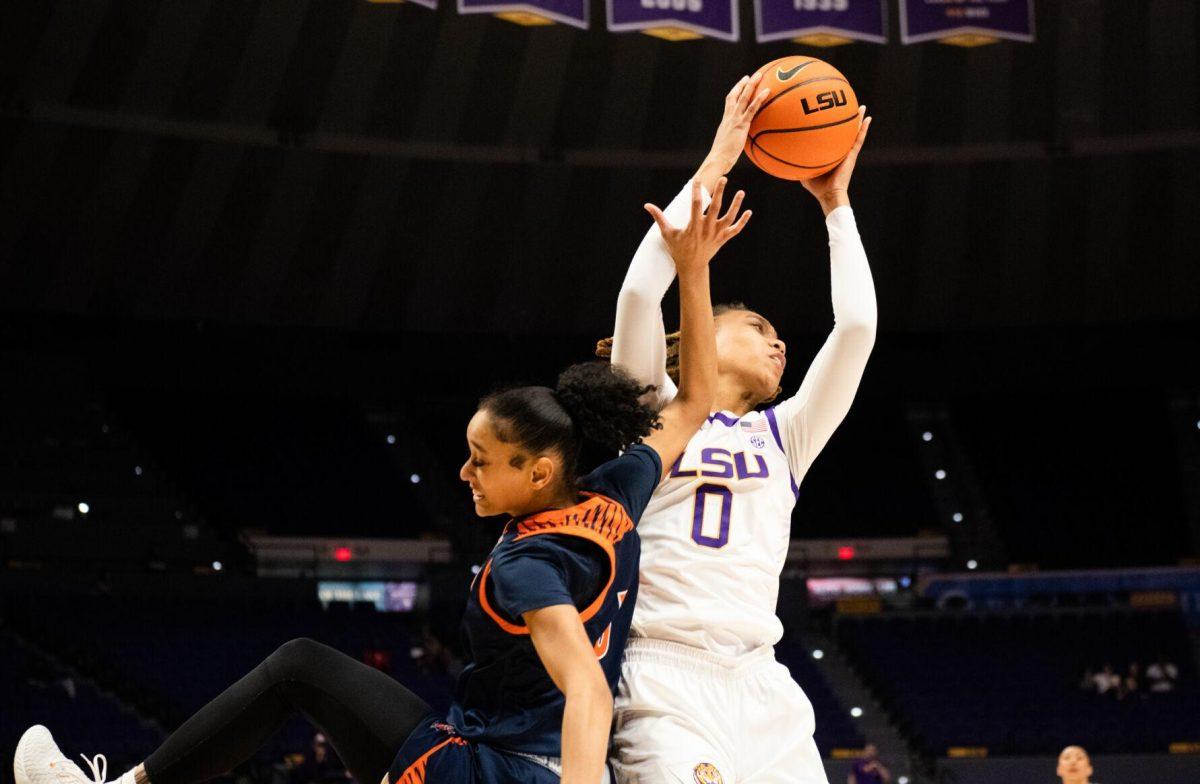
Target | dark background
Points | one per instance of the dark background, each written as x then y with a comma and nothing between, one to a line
386,168
260,258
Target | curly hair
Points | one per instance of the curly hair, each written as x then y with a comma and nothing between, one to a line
591,402
604,350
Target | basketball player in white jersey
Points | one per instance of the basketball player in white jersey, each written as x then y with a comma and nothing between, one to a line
702,698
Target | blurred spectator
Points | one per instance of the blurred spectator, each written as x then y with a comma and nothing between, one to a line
1074,766
868,769
1131,684
433,657
1107,681
1162,675
320,765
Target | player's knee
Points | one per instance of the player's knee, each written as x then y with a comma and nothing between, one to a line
293,658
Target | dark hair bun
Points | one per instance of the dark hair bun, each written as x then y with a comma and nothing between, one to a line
603,402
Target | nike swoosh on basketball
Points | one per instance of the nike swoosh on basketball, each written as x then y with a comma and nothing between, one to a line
788,74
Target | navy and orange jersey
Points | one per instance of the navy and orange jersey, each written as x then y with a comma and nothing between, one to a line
585,555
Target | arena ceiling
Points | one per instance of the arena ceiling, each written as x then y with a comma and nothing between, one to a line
336,163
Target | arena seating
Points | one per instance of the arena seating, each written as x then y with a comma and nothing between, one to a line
1011,682
75,485
835,728
170,655
1079,465
288,467
82,718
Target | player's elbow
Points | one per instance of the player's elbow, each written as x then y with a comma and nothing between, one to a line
634,297
860,331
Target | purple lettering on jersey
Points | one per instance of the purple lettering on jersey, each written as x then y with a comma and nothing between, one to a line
718,468
743,471
677,472
710,457
726,500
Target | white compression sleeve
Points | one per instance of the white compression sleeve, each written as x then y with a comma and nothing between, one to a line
809,417
639,336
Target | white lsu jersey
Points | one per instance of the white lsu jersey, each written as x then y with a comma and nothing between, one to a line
715,537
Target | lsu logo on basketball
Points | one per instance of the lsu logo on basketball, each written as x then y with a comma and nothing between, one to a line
826,100
707,773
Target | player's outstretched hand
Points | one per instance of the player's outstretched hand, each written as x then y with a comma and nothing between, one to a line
741,104
694,245
832,189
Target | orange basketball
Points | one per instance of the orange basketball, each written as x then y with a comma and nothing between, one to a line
808,122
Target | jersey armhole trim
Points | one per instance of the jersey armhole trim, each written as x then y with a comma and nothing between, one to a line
585,614
770,413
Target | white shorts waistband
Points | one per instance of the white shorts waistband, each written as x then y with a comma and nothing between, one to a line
687,657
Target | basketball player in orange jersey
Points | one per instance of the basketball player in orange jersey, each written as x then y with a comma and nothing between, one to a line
1074,766
702,699
546,619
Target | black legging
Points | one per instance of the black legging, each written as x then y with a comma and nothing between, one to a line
366,715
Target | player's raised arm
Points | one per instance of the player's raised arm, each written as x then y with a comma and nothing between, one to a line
828,389
638,345
692,248
741,104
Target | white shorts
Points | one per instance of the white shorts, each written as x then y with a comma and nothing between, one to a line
687,716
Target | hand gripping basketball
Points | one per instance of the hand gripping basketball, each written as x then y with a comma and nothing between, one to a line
834,185
741,105
809,121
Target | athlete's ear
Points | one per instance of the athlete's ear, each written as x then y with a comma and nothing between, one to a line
543,472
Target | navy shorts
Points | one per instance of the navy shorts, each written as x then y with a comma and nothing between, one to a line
433,754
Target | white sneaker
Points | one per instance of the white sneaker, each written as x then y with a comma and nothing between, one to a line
38,761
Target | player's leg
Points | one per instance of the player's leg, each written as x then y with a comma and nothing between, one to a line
668,719
776,745
365,714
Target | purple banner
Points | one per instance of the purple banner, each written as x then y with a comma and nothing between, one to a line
971,21
835,21
532,12
676,19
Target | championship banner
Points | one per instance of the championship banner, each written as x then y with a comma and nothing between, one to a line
531,13
676,20
965,22
821,22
